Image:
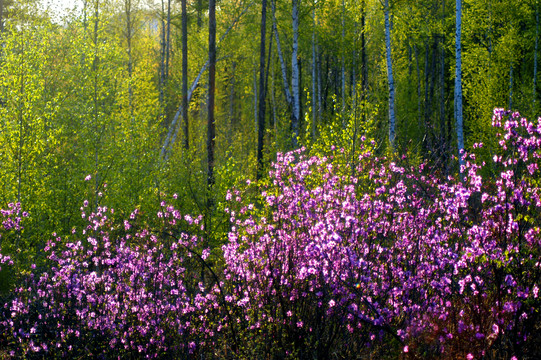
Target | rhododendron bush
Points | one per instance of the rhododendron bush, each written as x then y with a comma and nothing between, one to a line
321,263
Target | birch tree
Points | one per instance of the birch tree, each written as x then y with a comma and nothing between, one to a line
292,97
390,78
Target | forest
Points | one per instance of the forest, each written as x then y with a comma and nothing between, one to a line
270,179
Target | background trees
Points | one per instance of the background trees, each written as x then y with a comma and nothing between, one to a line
109,95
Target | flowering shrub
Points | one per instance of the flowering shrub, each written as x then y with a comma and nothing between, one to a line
136,295
321,264
425,265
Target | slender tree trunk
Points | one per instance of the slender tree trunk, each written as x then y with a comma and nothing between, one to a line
458,83
511,86
262,95
327,80
430,80
129,36
295,74
427,99
273,101
289,97
419,110
168,40
343,70
269,56
163,46
20,117
255,98
185,75
442,80
410,60
392,119
232,117
85,28
302,100
314,65
318,69
364,65
211,133
433,75
534,92
354,69
97,131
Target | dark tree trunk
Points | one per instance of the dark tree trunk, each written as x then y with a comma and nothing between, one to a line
458,83
262,93
534,93
185,75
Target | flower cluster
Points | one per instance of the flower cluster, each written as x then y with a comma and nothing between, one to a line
11,220
136,295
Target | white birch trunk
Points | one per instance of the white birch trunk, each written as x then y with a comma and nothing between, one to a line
458,83
287,93
392,118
